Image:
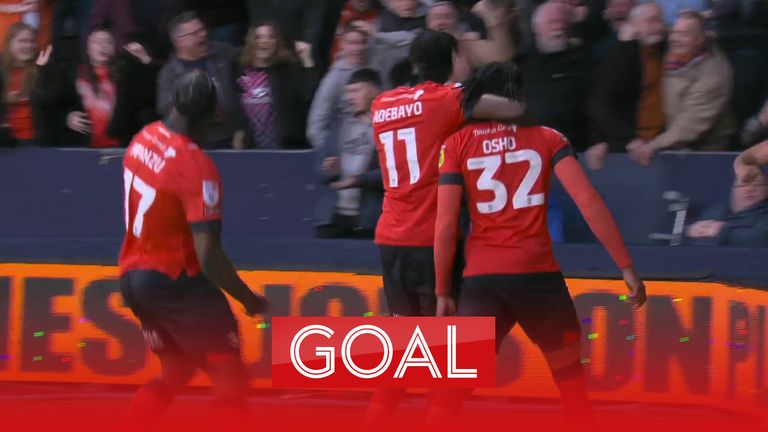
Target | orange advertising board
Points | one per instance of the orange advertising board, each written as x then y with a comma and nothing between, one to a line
699,343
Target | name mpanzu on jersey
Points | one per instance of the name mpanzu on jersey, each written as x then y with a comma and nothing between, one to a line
152,160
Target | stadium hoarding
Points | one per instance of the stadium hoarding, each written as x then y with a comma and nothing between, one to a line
693,343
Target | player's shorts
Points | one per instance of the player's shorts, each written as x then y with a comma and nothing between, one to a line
539,302
188,315
409,279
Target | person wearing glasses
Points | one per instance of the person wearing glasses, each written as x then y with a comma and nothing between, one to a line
193,50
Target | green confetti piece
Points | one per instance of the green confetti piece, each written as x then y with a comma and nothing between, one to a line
593,336
37,358
262,325
623,297
368,314
685,339
39,334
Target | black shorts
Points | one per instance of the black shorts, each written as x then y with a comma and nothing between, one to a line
409,279
540,302
189,315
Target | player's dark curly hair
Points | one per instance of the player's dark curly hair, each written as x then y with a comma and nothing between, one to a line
499,79
432,55
195,96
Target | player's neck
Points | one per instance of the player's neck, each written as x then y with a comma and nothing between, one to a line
178,124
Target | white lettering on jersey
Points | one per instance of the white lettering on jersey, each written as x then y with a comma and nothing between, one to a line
152,160
499,144
493,130
398,112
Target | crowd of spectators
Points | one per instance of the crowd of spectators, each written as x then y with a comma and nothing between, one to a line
630,76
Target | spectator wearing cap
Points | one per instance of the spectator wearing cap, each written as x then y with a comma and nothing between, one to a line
275,89
330,103
556,76
742,223
349,171
194,51
627,96
697,84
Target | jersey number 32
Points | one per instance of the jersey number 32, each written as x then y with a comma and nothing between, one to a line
522,197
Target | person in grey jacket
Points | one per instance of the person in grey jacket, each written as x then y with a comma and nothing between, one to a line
329,103
349,175
193,50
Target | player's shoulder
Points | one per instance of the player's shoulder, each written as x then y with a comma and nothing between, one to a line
542,131
393,96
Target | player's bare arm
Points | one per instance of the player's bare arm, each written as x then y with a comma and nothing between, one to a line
218,268
601,222
446,233
490,107
746,164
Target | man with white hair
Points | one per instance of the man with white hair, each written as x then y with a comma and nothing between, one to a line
627,101
556,76
697,86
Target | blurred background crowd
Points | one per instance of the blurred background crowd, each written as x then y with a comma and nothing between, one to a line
629,76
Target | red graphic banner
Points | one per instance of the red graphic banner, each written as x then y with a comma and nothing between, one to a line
383,352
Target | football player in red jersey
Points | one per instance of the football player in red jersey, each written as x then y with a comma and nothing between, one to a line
409,125
504,171
172,262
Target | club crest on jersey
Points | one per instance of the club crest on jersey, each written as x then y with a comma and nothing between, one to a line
442,157
210,193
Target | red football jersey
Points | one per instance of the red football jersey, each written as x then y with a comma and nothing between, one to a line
169,184
409,125
505,171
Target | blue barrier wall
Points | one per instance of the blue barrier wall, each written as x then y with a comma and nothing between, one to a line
59,193
62,205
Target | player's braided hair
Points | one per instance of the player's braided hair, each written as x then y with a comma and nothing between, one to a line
195,96
499,79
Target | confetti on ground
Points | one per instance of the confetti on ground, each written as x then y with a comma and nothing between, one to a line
37,358
262,325
367,314
631,337
593,336
677,300
623,297
584,361
685,339
81,344
39,334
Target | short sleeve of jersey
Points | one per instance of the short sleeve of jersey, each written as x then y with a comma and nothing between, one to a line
450,165
454,102
558,145
200,191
